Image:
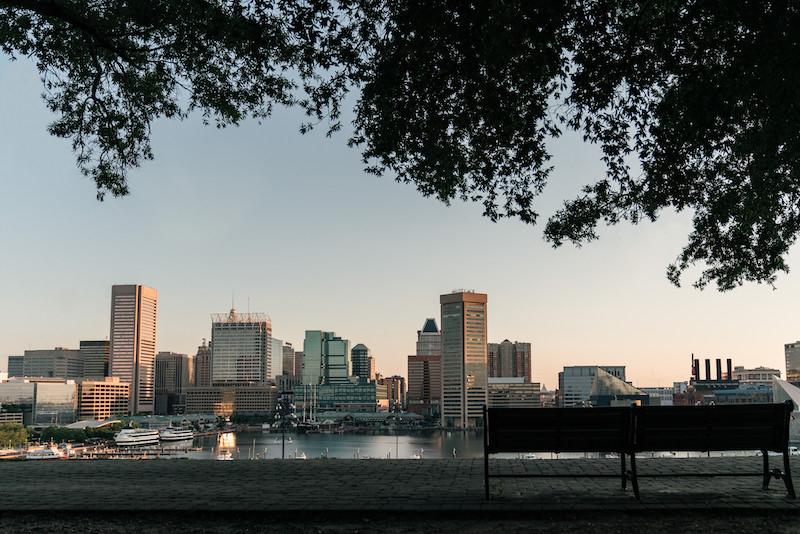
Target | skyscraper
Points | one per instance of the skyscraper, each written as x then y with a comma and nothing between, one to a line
464,365
276,361
174,373
792,353
16,366
395,391
95,355
313,356
298,363
53,363
288,356
202,366
425,372
133,342
429,339
509,360
362,362
241,347
326,358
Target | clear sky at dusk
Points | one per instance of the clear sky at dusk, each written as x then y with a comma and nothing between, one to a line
293,223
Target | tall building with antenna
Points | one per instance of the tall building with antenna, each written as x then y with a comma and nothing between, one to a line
241,347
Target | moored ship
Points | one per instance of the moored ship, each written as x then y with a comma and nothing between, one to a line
136,437
47,453
176,434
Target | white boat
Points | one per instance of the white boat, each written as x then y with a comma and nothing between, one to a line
225,455
48,453
176,434
136,437
300,456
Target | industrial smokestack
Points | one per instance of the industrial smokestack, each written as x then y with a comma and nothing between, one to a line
696,369
719,370
730,369
708,369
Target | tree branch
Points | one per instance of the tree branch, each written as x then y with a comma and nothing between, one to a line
56,10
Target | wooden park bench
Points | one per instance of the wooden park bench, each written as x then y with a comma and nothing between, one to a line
641,429
524,430
743,427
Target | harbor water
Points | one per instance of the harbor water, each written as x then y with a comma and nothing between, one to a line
428,445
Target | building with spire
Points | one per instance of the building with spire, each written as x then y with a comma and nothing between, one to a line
424,395
202,365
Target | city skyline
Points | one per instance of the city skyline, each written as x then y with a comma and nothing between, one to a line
400,368
607,302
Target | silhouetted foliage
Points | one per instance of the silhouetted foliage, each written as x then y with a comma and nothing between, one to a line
460,98
12,435
61,434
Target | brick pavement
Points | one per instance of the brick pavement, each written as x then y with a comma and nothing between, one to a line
378,485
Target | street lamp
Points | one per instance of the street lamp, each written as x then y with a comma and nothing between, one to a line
395,418
284,416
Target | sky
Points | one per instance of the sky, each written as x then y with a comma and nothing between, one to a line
291,226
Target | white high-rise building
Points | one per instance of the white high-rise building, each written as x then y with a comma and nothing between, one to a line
464,359
276,362
133,342
241,347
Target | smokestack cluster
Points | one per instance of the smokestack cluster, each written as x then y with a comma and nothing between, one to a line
718,361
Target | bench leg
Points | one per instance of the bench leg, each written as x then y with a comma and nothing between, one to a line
765,482
486,474
634,479
787,475
624,474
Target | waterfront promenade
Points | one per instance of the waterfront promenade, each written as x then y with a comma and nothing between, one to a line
379,486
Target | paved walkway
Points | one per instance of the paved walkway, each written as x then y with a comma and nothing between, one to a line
379,485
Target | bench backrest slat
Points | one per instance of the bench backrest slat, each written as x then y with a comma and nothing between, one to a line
638,428
711,428
557,429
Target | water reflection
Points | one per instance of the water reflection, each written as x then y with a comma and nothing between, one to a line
428,445
226,441
258,445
